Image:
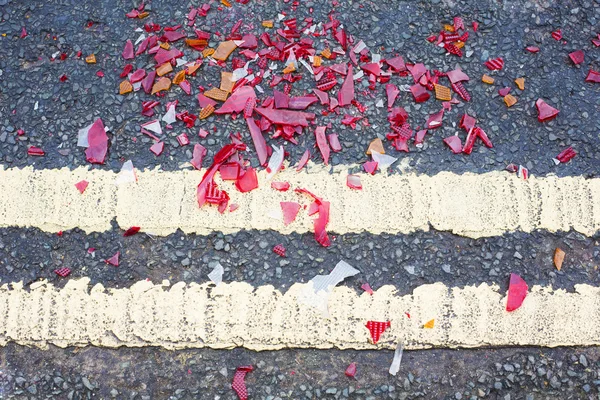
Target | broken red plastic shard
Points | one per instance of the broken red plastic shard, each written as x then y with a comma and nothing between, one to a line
483,136
470,141
248,181
290,211
435,120
128,51
238,384
557,34
322,143
353,182
346,93
376,329
137,76
457,76
512,168
230,171
301,102
249,107
467,122
593,76
397,116
453,49
458,24
327,83
420,137
545,111
303,160
370,167
63,78
82,185
504,91
98,143
23,33
279,250
334,142
577,57
199,153
419,93
126,70
532,49
62,272
350,121
323,96
495,64
417,71
237,102
258,140
319,223
392,92
351,370
183,139
35,151
396,64
114,260
131,231
286,117
281,186
459,88
454,143
517,291
157,148
148,81
566,155
367,288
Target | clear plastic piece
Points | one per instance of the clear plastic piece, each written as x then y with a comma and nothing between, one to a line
216,275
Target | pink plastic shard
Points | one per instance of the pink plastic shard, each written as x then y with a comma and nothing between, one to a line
566,155
435,120
593,76
420,137
367,288
281,186
392,92
397,64
454,143
351,370
279,250
494,64
370,167
545,111
322,143
248,181
202,192
346,93
98,143
23,33
137,76
467,122
376,329
237,102
517,291
532,49
302,103
128,51
204,101
239,385
114,260
148,81
63,272
577,57
131,231
286,117
557,34
81,186
281,99
417,71
457,76
199,153
183,139
260,144
504,91
334,142
353,182
157,148
320,223
303,160
290,211
483,136
323,96
419,93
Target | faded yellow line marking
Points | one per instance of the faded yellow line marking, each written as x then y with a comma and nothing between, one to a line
474,205
262,318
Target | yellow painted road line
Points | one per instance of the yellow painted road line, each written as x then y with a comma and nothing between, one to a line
262,318
474,205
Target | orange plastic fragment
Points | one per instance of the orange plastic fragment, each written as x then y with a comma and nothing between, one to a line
206,111
227,82
459,45
449,28
165,46
226,3
216,94
429,324
163,83
91,59
510,100
326,53
143,14
164,69
442,92
208,52
559,257
125,87
520,83
224,50
289,69
376,145
267,23
179,77
317,61
190,69
196,42
487,79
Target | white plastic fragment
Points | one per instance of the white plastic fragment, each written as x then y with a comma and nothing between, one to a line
358,75
127,174
404,88
523,172
216,275
82,136
153,126
556,161
317,291
383,160
239,74
360,46
395,367
169,117
180,62
307,66
275,162
141,38
379,103
375,58
259,89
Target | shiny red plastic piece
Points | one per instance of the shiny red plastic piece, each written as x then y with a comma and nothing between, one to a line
98,143
279,250
532,49
157,148
392,93
248,181
370,167
290,211
197,156
281,186
453,49
320,223
346,93
303,160
114,260
494,64
351,370
128,51
63,272
459,88
545,111
239,385
566,155
322,143
35,151
467,122
577,57
376,329
454,143
557,34
458,23
131,231
260,144
367,288
593,76
517,291
419,93
82,185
